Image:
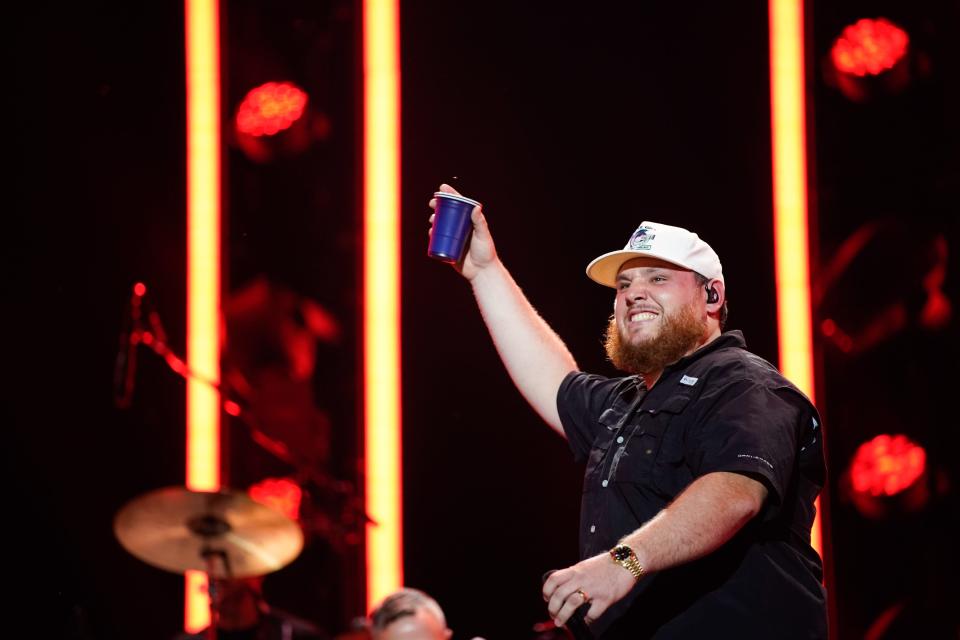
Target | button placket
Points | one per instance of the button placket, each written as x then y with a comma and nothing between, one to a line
622,449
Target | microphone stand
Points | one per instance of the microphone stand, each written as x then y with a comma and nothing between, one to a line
154,337
125,368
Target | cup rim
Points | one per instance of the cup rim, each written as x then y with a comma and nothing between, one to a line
453,196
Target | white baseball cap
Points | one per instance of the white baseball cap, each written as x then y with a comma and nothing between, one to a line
654,240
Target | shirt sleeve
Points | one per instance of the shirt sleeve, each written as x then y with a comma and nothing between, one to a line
581,400
752,429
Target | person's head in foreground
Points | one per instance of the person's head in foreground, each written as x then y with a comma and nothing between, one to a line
409,614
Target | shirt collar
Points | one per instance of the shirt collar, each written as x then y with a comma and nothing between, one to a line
726,340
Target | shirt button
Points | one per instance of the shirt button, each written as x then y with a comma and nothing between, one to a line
605,483
593,528
620,440
648,451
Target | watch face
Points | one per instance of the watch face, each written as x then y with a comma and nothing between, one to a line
622,552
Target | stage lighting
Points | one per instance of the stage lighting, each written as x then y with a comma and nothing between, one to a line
869,47
869,57
888,475
859,314
270,108
274,119
281,494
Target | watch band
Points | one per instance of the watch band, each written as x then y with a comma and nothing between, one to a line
624,556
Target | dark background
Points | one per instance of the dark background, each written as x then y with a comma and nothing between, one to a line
889,166
571,125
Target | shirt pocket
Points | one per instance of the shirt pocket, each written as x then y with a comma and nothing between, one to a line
671,470
656,447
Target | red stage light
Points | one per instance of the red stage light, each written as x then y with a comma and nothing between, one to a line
869,47
231,408
270,108
280,494
887,465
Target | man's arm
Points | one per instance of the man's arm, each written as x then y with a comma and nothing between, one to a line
702,518
535,357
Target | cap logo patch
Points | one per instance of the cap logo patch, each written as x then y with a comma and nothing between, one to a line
641,239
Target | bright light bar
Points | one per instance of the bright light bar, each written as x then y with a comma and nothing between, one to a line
790,225
381,290
203,269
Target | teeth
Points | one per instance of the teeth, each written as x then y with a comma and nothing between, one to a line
644,315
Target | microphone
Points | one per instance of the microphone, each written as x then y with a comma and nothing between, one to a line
125,367
576,624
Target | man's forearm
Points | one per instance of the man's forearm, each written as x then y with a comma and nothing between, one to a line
705,516
535,357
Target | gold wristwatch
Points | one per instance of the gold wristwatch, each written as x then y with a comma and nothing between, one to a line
624,556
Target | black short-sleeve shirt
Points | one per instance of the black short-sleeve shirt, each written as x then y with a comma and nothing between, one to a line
720,409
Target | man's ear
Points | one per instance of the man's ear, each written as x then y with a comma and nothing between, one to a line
720,294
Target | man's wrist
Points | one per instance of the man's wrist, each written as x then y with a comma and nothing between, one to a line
624,555
487,271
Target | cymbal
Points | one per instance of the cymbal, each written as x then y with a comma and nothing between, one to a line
176,529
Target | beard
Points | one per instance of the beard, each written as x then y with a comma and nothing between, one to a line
680,334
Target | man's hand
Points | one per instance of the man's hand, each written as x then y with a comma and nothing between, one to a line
481,252
598,580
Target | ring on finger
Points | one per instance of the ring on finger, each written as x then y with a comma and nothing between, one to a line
583,594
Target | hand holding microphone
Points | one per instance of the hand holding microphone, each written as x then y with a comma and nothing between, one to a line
577,623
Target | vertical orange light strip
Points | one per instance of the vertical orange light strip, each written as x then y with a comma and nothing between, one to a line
203,269
381,291
790,224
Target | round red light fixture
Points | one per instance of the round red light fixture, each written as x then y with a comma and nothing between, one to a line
270,108
280,494
887,465
869,47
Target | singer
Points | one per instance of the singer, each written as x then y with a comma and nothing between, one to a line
702,464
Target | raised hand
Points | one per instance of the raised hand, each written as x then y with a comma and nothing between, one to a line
481,253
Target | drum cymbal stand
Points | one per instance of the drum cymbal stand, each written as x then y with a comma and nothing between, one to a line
210,557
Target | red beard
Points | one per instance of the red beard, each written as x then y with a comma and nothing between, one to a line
680,334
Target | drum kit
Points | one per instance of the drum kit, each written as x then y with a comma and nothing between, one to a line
225,534
232,538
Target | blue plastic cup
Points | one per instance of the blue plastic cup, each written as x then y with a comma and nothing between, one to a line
451,226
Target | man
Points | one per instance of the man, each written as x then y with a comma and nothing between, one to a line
409,614
702,465
243,614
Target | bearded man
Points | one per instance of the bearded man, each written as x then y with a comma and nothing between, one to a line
703,463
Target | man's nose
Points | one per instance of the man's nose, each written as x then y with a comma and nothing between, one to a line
636,291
